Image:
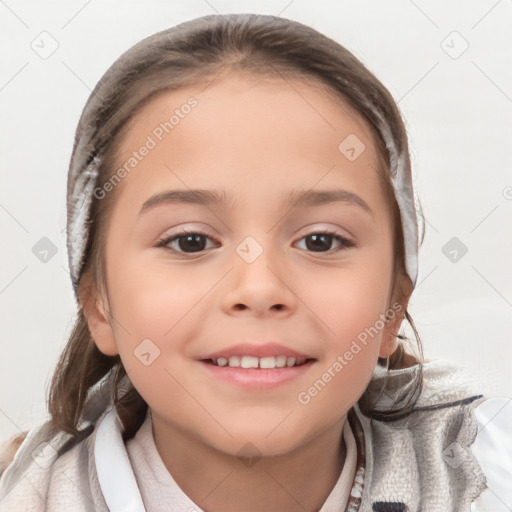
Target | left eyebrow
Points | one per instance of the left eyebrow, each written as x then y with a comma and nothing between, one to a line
298,198
295,198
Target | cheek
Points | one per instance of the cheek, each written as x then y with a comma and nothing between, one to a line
153,326
151,299
348,300
158,311
352,311
356,312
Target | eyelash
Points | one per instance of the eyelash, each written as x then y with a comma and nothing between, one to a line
345,243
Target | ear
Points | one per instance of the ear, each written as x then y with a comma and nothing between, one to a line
395,313
98,320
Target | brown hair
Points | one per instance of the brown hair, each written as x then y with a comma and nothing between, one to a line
191,53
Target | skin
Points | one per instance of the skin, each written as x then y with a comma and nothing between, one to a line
257,139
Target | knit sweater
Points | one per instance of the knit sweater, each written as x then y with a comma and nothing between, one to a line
452,453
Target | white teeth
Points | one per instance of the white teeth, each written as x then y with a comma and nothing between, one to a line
268,362
234,362
280,361
249,362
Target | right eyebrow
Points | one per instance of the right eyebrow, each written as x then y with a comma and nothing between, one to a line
189,196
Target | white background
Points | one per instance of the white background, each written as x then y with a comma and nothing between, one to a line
458,112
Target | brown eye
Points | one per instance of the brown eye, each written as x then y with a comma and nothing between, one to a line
186,242
322,242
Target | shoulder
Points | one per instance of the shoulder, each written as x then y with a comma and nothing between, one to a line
448,438
492,449
51,472
8,450
443,383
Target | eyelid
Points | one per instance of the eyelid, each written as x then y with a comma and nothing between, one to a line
185,229
327,229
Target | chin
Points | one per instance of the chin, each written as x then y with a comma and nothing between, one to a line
253,443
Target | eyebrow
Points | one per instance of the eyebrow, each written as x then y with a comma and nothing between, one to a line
294,199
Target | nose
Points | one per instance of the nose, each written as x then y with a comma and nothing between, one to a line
259,286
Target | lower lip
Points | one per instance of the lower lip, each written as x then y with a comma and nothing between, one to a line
257,378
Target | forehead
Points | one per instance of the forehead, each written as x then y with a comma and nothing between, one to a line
244,129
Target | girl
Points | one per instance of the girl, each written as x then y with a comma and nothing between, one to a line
243,244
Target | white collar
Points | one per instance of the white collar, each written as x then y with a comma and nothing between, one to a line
115,475
119,485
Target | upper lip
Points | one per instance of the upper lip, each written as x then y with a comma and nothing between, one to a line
256,350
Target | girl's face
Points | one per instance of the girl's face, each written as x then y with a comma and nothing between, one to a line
254,269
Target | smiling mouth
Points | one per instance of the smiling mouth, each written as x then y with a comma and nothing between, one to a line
266,363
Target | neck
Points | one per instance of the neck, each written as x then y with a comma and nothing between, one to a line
300,480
